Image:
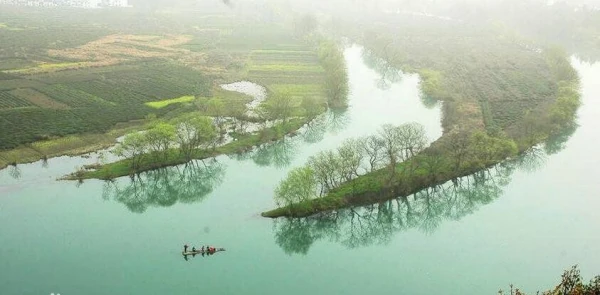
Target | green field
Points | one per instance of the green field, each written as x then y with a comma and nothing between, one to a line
163,103
51,86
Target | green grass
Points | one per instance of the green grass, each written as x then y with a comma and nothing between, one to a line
163,103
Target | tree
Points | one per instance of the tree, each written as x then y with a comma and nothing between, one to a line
413,139
311,106
372,148
457,142
299,185
194,131
238,112
216,108
336,76
133,147
278,106
392,147
305,25
326,167
160,137
350,159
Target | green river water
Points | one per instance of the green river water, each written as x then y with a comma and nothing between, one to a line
523,222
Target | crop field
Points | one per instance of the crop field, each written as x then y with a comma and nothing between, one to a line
9,101
73,97
38,99
295,71
83,74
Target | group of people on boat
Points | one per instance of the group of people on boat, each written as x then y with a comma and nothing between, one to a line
209,249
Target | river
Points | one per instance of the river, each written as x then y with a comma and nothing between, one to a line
521,223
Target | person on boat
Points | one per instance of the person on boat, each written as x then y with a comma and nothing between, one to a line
185,248
202,249
193,249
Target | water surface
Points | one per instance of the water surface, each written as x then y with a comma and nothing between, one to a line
521,223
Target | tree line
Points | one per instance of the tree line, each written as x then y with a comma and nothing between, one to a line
332,60
395,156
355,157
188,133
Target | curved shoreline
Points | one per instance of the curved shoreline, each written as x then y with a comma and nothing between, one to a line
461,115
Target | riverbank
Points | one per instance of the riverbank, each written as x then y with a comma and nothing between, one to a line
429,168
488,115
242,143
72,145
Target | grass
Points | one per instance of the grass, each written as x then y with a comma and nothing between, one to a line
163,103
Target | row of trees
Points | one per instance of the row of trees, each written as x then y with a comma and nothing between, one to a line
329,169
395,156
188,133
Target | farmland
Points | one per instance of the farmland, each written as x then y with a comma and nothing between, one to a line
95,71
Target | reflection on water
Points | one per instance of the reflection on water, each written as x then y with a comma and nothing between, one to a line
187,183
14,171
388,74
378,223
280,154
558,141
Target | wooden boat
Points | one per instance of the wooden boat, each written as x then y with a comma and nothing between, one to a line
190,252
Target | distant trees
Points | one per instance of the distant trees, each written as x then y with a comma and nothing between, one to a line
305,25
336,75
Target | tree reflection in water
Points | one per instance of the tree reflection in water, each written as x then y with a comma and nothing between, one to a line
377,223
280,154
187,183
388,74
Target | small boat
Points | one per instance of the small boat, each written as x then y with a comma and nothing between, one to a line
202,252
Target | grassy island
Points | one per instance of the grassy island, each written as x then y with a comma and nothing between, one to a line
500,98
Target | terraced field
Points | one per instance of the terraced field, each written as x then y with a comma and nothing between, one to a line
294,71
